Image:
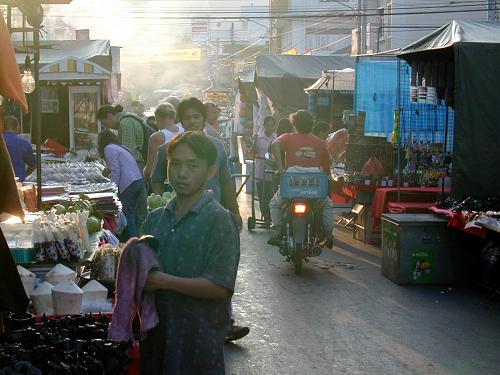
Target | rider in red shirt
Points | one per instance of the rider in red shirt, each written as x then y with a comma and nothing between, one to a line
304,150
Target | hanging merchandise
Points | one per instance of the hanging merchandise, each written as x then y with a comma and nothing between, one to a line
396,122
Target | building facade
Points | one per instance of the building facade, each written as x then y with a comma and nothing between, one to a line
326,35
365,26
231,44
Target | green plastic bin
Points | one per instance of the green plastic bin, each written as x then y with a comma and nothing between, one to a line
416,249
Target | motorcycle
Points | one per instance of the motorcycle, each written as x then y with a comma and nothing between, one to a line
302,188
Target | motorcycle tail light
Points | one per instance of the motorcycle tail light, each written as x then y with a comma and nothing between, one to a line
299,208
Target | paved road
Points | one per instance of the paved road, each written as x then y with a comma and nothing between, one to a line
337,320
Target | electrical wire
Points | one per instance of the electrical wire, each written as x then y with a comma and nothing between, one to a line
225,10
226,14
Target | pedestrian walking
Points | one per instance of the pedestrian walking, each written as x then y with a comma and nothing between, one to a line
165,116
192,114
264,182
199,254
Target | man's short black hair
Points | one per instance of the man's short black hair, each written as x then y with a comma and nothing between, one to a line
321,127
201,145
106,137
302,121
191,103
269,118
10,122
284,126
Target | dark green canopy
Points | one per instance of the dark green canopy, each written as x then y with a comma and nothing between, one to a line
283,78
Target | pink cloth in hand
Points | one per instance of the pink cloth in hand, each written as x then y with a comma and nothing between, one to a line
137,259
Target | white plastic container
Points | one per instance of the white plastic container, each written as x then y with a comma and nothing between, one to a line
42,299
67,298
28,279
94,293
60,273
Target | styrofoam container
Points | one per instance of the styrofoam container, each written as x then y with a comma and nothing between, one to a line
94,292
67,298
60,273
42,299
28,279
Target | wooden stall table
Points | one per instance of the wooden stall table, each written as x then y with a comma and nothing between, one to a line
360,194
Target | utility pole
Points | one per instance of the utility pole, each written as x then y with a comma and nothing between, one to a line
361,20
233,65
358,26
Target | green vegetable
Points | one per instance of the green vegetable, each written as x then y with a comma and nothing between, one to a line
93,224
59,209
156,201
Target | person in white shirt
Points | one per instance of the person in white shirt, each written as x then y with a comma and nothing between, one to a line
165,116
264,182
125,173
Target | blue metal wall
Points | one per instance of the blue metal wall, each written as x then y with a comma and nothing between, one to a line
378,84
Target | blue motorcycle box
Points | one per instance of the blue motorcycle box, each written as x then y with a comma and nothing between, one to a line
304,185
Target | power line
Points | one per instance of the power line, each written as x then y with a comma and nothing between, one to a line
226,14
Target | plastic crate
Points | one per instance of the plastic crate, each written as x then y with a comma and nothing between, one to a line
22,255
304,185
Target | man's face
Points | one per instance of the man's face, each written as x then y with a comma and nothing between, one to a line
192,120
212,113
269,127
187,173
139,109
323,135
110,121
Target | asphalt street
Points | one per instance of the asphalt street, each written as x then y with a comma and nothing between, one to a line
341,316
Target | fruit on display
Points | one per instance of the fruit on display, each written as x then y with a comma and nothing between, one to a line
59,209
156,201
71,172
93,224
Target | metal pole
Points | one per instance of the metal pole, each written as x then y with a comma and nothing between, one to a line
398,101
445,149
378,39
37,119
358,21
9,18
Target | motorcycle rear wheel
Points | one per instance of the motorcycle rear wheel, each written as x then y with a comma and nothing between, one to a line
297,258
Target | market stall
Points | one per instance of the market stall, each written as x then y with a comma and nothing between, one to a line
456,67
459,63
283,78
331,96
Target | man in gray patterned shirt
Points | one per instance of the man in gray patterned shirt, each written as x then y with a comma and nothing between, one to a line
199,253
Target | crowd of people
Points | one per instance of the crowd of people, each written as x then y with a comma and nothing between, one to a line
181,150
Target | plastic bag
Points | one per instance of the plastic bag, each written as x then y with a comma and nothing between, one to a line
59,236
49,245
71,241
38,240
81,220
373,167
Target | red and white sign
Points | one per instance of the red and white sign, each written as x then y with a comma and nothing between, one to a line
199,27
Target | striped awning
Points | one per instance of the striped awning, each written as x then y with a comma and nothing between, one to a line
73,68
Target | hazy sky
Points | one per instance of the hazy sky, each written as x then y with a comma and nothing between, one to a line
139,26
